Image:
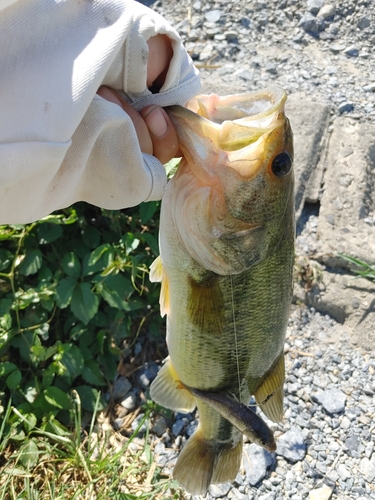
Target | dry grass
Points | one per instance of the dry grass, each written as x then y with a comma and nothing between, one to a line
101,464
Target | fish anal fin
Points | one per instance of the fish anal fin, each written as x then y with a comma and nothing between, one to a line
202,463
228,464
270,394
168,391
157,274
206,306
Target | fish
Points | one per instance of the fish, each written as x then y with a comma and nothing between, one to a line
226,241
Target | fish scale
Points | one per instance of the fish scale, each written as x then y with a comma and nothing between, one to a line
226,260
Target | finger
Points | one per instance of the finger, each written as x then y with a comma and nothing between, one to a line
160,53
144,138
162,132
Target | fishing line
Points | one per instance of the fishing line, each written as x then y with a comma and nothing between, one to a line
235,335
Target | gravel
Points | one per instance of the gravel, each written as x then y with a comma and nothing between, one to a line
326,440
250,45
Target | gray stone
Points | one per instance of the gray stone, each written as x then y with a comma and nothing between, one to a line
314,6
206,52
159,425
352,443
130,401
256,461
213,16
351,51
327,12
136,422
246,75
178,426
332,400
367,469
363,22
323,493
291,445
121,387
311,24
147,374
343,472
219,490
345,107
117,423
336,48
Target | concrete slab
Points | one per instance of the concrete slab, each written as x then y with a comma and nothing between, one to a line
310,122
346,221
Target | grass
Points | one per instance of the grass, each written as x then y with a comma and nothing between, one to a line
362,269
97,464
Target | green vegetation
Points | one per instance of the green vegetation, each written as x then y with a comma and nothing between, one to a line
73,292
361,269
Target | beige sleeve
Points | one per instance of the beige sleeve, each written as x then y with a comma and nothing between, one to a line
59,142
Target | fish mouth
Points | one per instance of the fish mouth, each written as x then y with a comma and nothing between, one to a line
238,126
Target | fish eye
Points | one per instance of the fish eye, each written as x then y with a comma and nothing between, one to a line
281,164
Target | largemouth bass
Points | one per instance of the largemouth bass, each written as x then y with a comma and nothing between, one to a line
226,259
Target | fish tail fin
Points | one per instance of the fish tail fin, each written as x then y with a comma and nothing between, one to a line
202,463
228,464
167,390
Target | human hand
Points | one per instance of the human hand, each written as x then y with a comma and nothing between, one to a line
156,133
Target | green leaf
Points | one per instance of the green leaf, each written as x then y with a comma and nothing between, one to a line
23,343
49,232
6,367
71,265
152,242
60,218
88,396
91,236
29,454
84,302
5,259
92,374
31,263
147,210
14,379
56,397
130,242
73,361
96,254
31,421
116,290
43,331
64,292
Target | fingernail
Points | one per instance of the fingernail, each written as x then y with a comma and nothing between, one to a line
155,121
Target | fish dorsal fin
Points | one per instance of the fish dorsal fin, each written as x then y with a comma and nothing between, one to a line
270,394
168,391
158,274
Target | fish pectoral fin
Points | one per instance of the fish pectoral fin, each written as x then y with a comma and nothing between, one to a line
270,394
156,270
168,391
157,274
202,463
206,307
